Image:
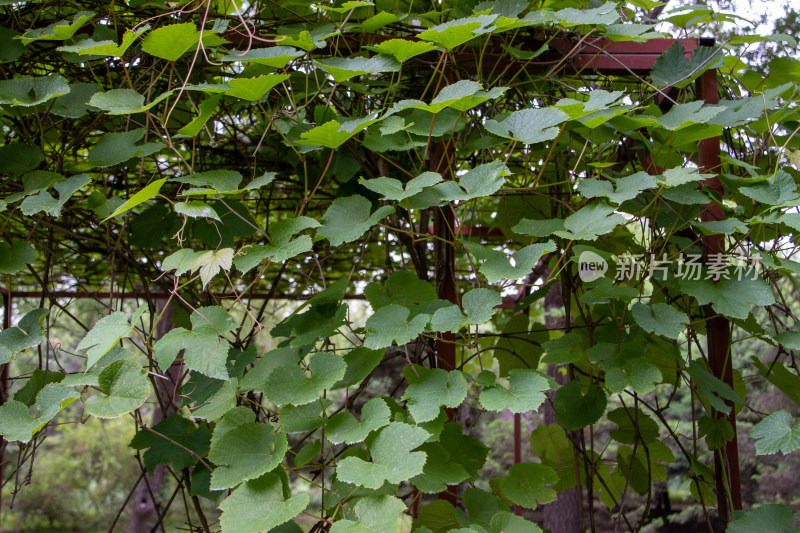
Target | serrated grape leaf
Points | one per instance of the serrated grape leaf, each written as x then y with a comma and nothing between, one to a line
776,190
730,297
529,126
776,433
432,389
349,218
716,431
14,256
674,177
58,31
660,319
525,392
402,288
575,410
619,190
195,209
496,265
105,48
303,418
259,505
139,198
289,384
713,389
124,101
172,41
27,91
392,324
505,522
256,377
440,470
683,115
527,484
392,458
206,109
17,158
479,306
17,422
35,384
672,68
566,349
244,453
632,425
402,49
125,386
181,261
360,362
343,427
766,518
307,453
162,450
204,350
273,56
392,189
455,32
283,247
116,148
376,514
253,89
222,401
211,262
106,333
590,222
211,182
344,68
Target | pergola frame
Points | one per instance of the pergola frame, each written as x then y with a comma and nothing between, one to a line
599,56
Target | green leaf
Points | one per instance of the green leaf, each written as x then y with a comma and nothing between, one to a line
456,32
161,450
712,389
527,484
575,410
126,386
376,514
17,422
392,189
525,392
343,427
245,452
730,297
307,453
273,56
27,91
619,190
777,190
529,126
58,31
259,505
105,48
347,219
116,148
17,158
211,262
140,197
217,181
766,518
15,256
124,101
776,433
205,111
289,384
180,261
402,49
38,380
360,362
683,115
440,470
196,210
633,425
253,89
392,458
496,265
434,388
479,306
672,68
716,431
172,41
106,333
392,324
344,68
511,523
660,319
566,349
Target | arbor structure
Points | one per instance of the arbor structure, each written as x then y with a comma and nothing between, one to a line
416,177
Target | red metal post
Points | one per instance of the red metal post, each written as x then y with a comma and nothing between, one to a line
726,462
4,392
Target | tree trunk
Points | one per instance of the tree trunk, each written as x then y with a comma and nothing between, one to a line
144,509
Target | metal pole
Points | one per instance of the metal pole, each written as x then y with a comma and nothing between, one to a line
4,392
726,461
